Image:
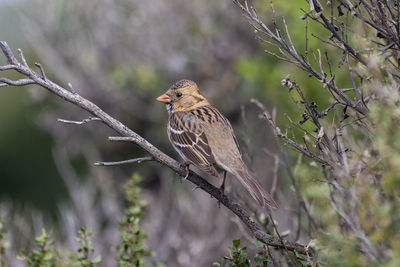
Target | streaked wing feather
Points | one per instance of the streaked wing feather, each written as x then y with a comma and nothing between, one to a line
187,136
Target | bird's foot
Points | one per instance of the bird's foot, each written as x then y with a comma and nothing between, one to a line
186,165
221,190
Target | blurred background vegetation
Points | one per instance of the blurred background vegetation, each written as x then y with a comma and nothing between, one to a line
121,55
125,54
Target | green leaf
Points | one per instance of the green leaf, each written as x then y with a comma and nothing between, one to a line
259,244
236,243
97,260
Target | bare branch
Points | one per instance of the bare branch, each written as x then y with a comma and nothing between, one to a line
128,161
285,138
22,57
41,70
280,237
7,67
121,138
19,82
332,29
80,122
300,61
128,135
8,53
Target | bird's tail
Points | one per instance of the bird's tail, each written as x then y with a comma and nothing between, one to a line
255,189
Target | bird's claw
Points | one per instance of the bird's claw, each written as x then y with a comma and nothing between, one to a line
186,176
186,165
221,191
196,187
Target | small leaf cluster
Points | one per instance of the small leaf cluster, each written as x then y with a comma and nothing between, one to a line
261,258
3,244
132,251
44,255
86,250
239,256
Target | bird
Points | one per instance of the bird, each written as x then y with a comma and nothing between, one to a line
204,137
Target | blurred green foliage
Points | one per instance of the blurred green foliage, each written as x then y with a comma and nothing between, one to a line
27,171
44,254
3,244
238,256
132,251
85,251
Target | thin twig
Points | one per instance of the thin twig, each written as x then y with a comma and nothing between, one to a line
7,67
265,115
41,70
80,122
19,82
271,257
122,138
71,88
21,55
279,236
128,161
292,55
332,29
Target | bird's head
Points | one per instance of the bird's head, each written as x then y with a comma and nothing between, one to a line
183,96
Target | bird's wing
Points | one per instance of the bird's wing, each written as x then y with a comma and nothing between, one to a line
216,116
186,133
233,163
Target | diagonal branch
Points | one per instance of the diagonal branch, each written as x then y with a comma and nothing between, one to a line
255,228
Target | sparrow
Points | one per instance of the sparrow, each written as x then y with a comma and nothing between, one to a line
204,137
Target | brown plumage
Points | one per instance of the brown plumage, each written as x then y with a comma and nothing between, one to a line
204,137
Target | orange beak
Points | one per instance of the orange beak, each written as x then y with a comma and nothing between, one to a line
164,98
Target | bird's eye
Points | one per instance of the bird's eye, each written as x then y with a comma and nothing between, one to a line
179,94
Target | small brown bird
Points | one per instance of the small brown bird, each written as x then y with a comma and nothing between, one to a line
204,137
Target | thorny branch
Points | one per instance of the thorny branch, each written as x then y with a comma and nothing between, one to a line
289,53
35,78
267,116
332,151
